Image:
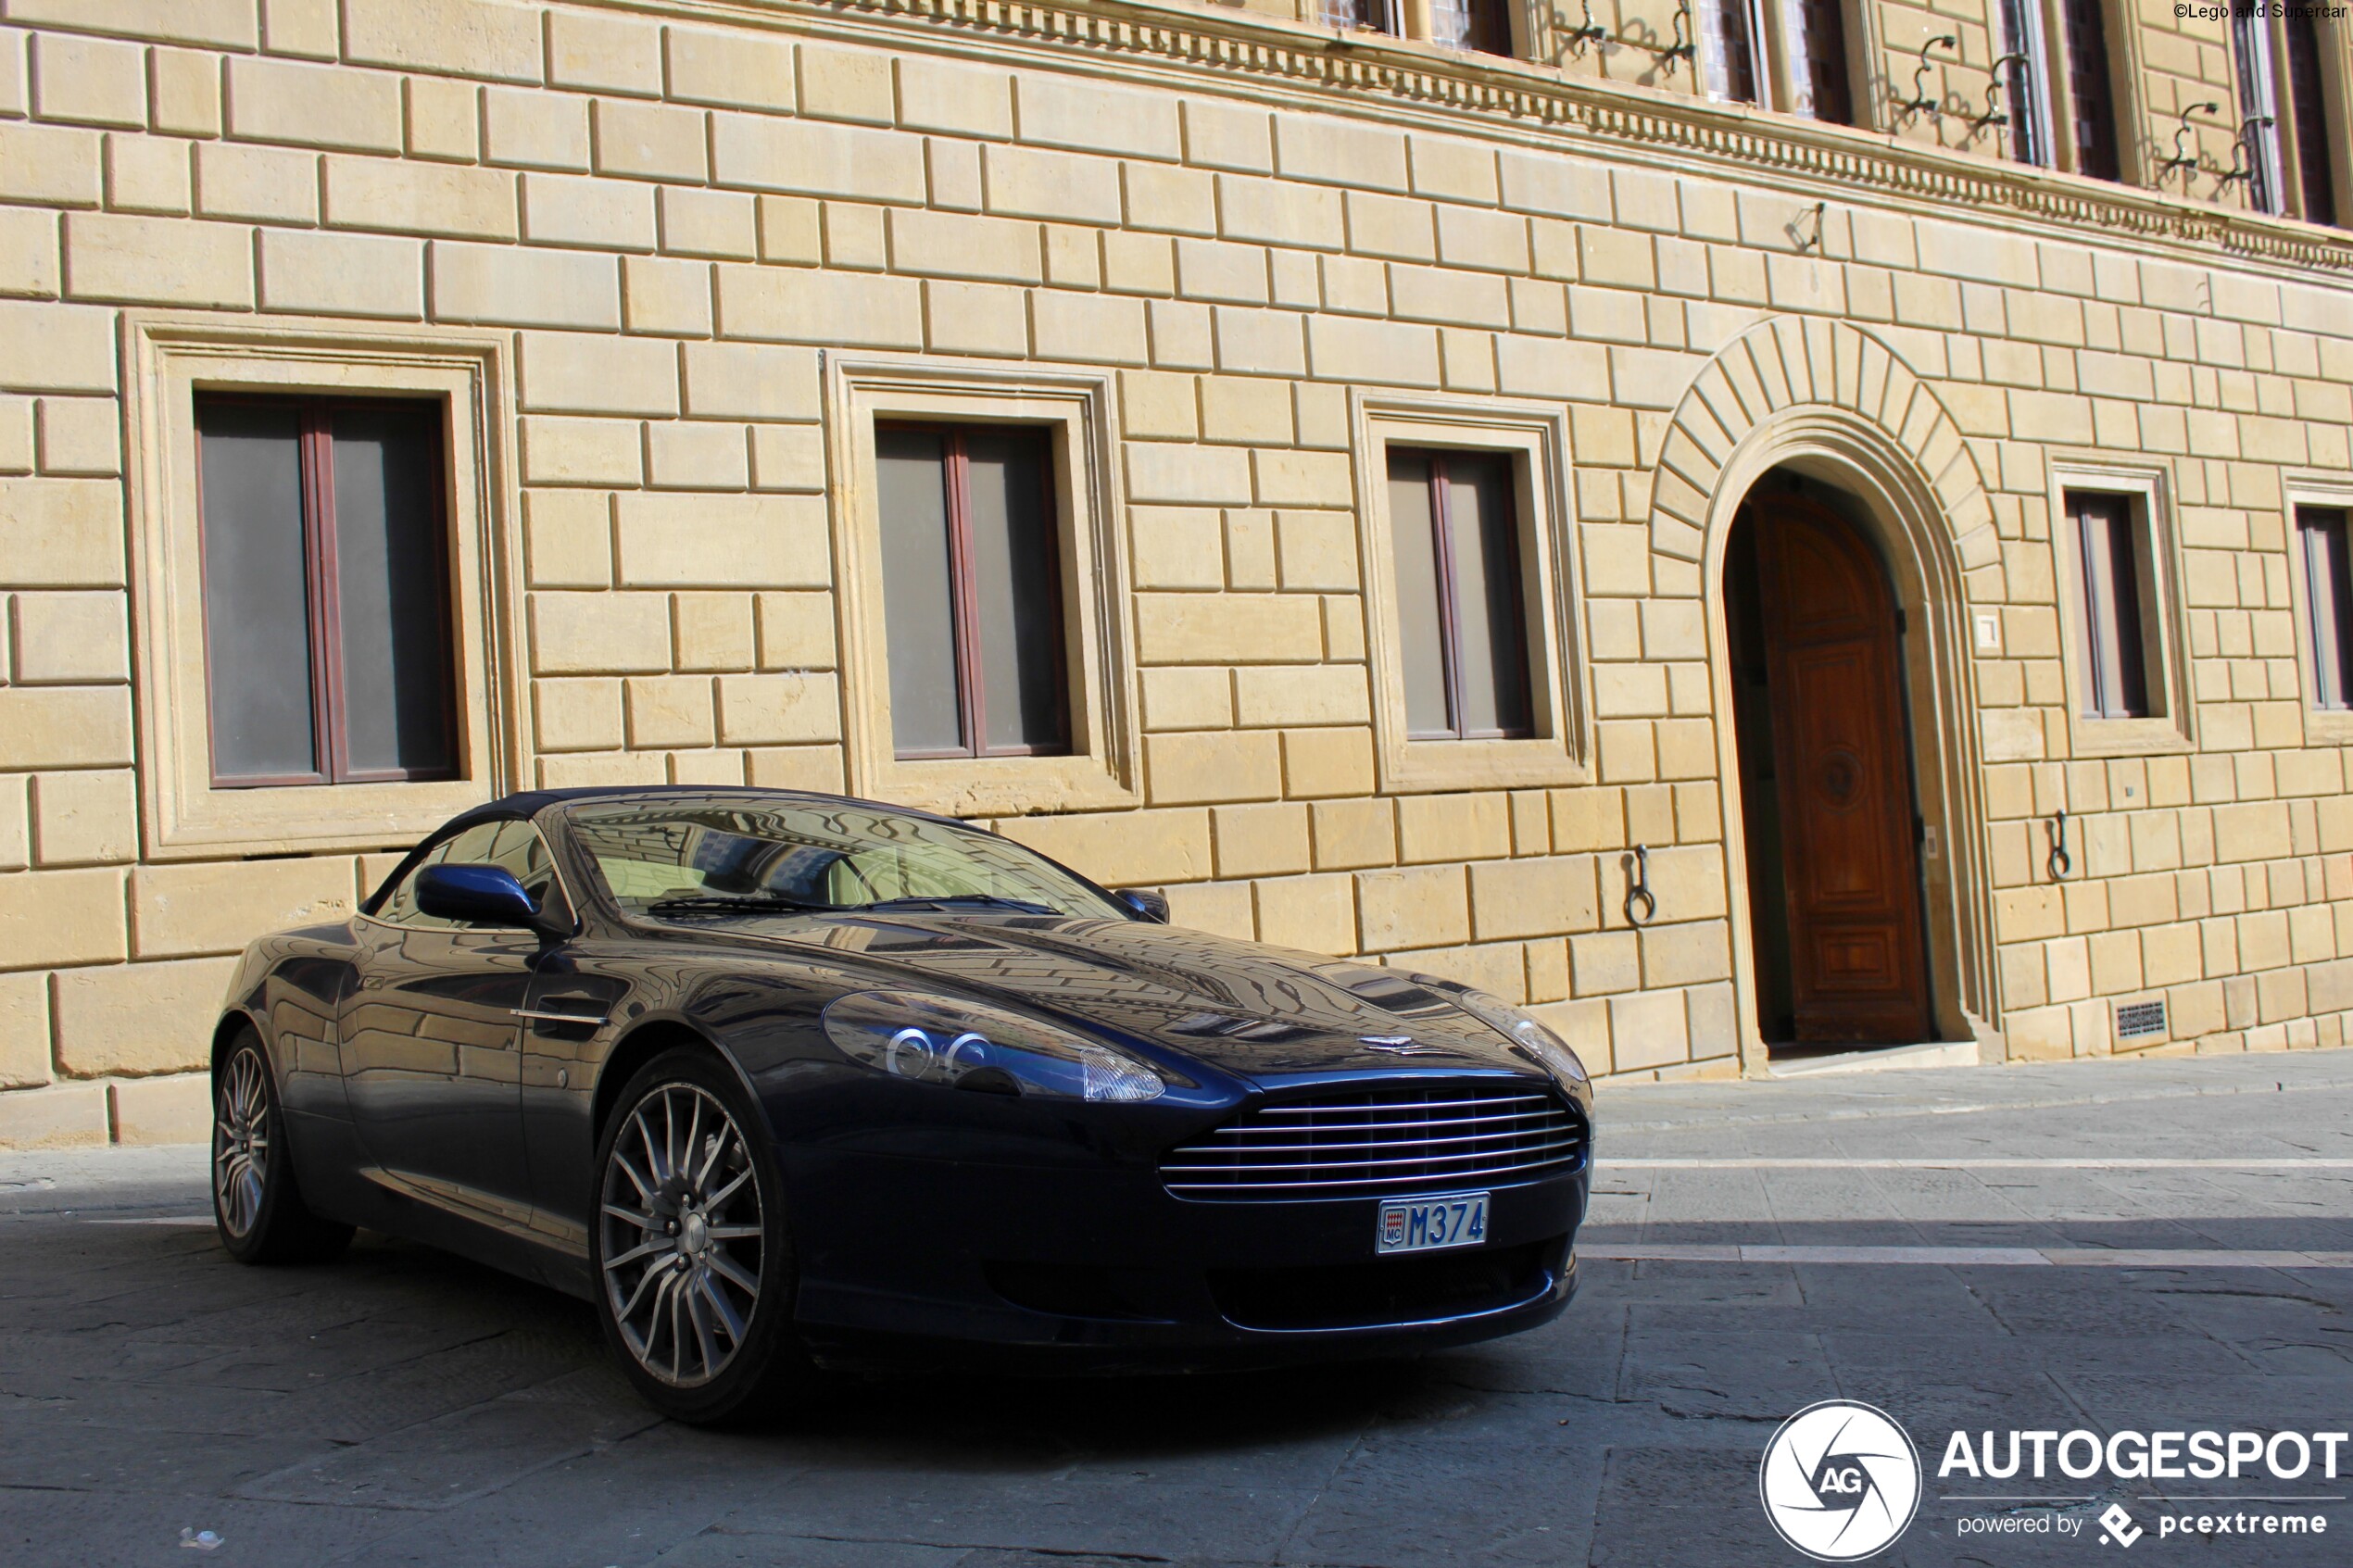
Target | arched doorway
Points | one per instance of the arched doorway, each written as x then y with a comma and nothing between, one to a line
1827,778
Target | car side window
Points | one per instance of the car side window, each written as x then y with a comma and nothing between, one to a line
470,848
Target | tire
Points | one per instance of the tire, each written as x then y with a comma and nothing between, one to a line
689,1249
256,1207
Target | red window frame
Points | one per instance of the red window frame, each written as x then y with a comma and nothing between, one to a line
963,608
321,580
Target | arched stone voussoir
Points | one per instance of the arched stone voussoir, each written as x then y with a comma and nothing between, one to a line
1831,373
1831,401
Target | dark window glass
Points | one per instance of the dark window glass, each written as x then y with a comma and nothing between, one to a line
327,625
910,472
971,591
1734,27
2091,85
1819,30
2115,654
390,573
2307,118
1461,603
257,592
1483,26
2328,593
1380,16
2022,80
1421,608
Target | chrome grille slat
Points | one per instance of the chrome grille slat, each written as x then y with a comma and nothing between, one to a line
1290,1168
1345,1110
1388,1185
1294,1131
1402,1139
1373,1143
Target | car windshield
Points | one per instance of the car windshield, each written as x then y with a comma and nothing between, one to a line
717,858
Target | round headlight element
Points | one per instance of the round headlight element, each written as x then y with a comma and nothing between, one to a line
926,1040
1546,1048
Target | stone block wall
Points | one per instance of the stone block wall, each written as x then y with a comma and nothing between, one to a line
657,225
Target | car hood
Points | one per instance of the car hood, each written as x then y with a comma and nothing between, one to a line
1239,1006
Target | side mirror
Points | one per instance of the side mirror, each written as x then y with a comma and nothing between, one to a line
482,894
1148,906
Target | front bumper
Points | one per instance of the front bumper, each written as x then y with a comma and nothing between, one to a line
1103,1270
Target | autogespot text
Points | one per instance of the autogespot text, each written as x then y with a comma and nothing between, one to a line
2137,1455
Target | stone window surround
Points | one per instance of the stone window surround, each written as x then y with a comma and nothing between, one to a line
1101,771
2150,488
2321,726
167,359
1535,435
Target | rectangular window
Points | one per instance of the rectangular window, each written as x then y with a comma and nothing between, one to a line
1461,604
2308,117
328,655
971,602
2258,107
2091,86
1377,16
1728,51
2023,91
2328,594
1816,32
2115,652
1481,26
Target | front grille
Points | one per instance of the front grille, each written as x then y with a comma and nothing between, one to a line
1392,1141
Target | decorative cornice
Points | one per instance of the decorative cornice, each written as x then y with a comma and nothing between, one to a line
1535,97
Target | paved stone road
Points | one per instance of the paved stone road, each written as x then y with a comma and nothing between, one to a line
401,1406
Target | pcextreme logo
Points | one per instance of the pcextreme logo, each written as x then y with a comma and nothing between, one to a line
1839,1480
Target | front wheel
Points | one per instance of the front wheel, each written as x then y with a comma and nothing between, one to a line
257,1208
693,1267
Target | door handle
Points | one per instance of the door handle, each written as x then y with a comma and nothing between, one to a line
586,1019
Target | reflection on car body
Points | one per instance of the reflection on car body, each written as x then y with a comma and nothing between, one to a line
781,1080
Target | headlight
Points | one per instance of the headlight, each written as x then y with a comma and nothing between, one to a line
923,1039
1548,1049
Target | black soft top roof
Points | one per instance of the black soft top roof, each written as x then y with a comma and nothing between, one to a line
528,804
525,805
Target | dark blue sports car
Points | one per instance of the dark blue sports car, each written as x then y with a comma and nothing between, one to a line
781,1080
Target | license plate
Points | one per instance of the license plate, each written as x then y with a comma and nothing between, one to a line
1425,1225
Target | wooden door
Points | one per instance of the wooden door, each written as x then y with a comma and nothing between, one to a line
1834,679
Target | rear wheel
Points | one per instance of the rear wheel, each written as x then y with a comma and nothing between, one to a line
693,1267
256,1208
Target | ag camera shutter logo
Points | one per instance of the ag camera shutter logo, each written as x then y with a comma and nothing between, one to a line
1839,1480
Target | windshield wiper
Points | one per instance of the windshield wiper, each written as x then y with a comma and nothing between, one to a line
719,903
960,901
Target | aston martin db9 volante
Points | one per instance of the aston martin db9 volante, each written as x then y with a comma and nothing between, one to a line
781,1081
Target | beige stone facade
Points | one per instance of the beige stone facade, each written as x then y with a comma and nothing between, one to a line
666,262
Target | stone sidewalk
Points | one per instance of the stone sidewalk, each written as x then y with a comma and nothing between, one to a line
1753,1247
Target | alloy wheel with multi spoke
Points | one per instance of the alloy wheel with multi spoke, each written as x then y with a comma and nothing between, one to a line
681,1235
240,1141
